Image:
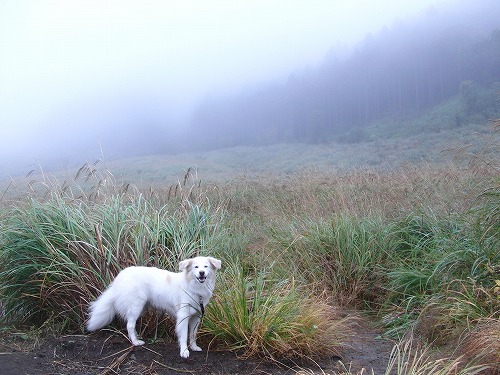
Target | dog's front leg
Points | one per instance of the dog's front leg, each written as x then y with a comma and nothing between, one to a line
194,324
181,329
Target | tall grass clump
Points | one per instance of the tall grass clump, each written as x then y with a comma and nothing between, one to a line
342,255
58,251
414,259
486,222
440,276
258,315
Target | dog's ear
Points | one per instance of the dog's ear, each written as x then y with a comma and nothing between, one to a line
215,262
184,264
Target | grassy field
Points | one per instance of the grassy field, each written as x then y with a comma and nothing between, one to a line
414,244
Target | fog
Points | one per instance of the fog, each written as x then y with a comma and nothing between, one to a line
81,80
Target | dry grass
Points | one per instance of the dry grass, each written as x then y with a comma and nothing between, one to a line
359,193
481,345
409,357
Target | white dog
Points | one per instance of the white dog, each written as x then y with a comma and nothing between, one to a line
183,295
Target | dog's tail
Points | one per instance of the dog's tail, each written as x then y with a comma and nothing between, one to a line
102,311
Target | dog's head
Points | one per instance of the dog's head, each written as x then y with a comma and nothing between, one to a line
200,268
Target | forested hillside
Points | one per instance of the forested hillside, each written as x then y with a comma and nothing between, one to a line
395,74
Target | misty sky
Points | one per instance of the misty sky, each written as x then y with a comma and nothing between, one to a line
70,70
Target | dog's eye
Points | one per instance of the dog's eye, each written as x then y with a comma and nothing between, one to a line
195,266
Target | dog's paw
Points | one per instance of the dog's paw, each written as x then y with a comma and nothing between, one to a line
137,342
195,348
184,353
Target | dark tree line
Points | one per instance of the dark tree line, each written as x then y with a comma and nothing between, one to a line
406,69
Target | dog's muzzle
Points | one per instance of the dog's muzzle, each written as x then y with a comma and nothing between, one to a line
201,277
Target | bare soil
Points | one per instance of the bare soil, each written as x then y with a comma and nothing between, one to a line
109,352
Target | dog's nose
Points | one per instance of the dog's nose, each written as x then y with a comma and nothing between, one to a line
202,273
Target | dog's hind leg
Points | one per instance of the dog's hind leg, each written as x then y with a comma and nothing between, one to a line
131,317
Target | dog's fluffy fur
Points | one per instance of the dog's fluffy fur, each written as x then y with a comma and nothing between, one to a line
183,295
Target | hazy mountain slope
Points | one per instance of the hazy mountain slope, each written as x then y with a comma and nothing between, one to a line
381,152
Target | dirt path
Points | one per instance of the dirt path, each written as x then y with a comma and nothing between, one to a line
111,353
